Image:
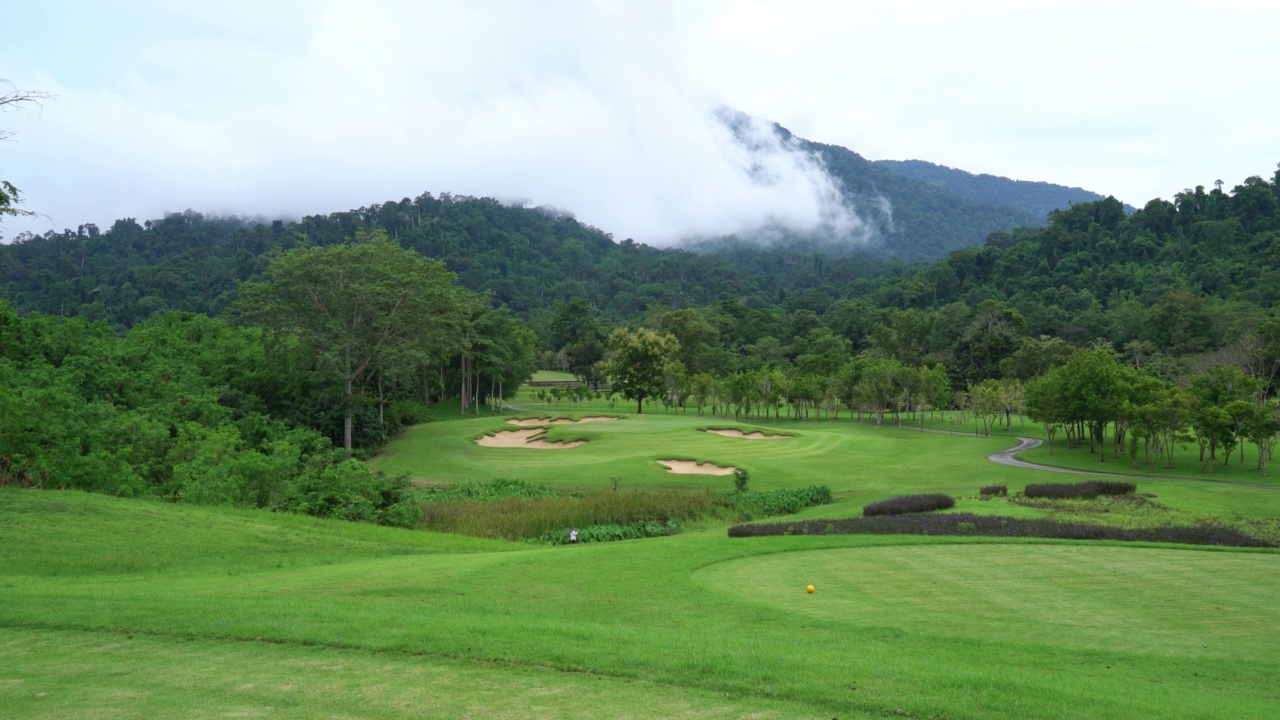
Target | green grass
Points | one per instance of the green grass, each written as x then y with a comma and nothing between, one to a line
240,613
553,376
1186,457
1062,596
56,674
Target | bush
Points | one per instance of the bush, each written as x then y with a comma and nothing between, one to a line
909,504
350,491
749,505
1084,490
996,526
991,490
740,479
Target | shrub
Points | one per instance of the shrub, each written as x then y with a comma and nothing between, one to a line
749,505
740,479
1085,490
996,526
991,490
909,504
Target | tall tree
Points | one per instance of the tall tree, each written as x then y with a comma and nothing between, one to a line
577,333
356,308
638,361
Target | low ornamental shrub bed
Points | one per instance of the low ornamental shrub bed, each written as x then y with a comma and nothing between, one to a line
995,526
1086,490
904,504
611,533
988,490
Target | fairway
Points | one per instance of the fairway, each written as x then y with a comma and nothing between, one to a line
112,606
1175,602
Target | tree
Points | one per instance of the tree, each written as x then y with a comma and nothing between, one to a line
1094,387
1046,404
638,361
14,99
577,334
699,340
356,309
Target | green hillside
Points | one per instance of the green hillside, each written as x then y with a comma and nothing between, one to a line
1038,199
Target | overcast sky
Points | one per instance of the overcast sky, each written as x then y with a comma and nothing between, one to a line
280,109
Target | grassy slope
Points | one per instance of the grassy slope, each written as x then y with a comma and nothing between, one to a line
696,624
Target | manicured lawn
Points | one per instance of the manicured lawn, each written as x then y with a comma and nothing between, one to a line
245,613
552,376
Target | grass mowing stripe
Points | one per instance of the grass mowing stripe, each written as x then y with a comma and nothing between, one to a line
47,673
1142,600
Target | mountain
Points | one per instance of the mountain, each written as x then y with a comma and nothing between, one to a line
921,212
1036,198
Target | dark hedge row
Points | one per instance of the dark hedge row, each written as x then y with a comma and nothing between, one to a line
1087,490
995,526
995,490
909,504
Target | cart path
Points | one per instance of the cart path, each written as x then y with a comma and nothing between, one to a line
1006,457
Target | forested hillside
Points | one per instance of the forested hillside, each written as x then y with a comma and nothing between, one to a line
528,259
1037,199
338,329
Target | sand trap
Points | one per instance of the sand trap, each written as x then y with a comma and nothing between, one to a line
546,421
689,467
756,435
531,438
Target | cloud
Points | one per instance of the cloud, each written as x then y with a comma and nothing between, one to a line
584,106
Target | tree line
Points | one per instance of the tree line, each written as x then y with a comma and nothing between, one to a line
331,352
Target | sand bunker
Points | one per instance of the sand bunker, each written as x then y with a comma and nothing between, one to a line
689,467
531,438
756,435
546,421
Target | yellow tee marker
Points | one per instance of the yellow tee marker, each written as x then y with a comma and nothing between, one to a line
809,589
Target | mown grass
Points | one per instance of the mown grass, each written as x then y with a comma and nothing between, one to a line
862,463
925,627
645,612
1186,457
55,673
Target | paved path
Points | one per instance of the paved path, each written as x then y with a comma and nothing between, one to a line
1006,457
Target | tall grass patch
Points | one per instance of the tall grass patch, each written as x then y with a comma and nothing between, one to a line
518,518
517,510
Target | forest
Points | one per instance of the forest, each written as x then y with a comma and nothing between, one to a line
281,353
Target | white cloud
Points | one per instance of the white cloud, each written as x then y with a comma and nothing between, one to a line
605,108
579,106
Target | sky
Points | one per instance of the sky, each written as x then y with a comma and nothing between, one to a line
607,109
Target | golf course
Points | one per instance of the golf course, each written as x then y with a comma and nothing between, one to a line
132,608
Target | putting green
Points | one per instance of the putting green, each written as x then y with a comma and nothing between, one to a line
1146,600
